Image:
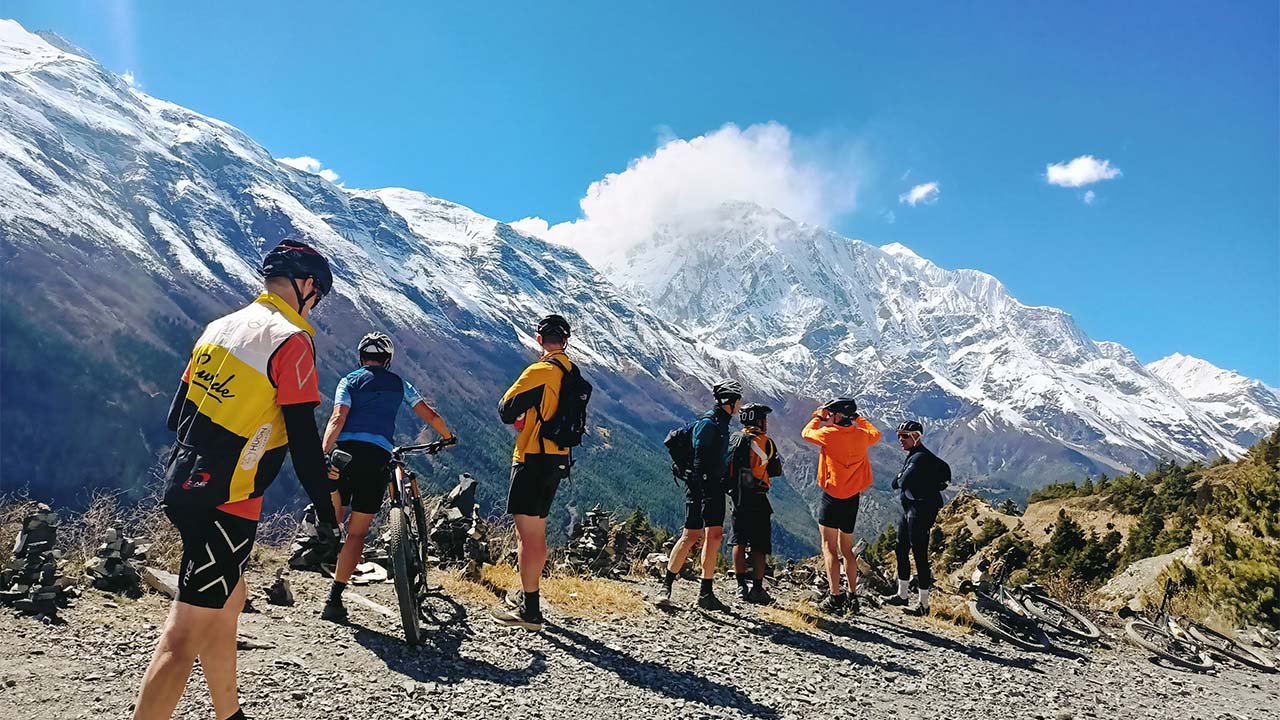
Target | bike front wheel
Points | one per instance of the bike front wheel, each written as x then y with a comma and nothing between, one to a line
1061,617
1005,624
401,549
1229,647
1158,640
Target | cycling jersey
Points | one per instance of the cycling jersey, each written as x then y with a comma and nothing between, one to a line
843,467
535,397
231,437
375,395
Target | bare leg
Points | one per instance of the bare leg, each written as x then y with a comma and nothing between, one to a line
218,659
531,550
758,560
338,510
679,553
850,561
711,551
831,556
186,633
353,547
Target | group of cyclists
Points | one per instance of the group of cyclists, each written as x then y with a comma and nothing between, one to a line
248,396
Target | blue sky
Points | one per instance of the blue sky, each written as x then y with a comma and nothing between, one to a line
515,109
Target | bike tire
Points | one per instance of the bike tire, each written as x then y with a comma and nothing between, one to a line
399,545
424,545
1141,633
1229,647
1061,617
1005,624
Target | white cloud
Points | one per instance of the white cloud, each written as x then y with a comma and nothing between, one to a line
1089,197
130,79
924,193
534,226
684,180
1084,170
306,163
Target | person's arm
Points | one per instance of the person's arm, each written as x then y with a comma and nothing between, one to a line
815,433
521,396
292,369
414,400
308,458
906,477
338,419
175,407
334,428
870,433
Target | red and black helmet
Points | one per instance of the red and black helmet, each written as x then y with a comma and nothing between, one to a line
297,260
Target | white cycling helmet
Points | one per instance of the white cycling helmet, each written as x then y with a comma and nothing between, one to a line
377,344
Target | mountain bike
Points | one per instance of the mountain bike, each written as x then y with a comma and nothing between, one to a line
1165,635
407,537
998,610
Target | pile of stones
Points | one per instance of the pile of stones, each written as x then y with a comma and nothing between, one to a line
602,547
308,551
459,537
30,582
118,564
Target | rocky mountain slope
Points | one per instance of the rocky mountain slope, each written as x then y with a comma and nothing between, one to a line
1014,392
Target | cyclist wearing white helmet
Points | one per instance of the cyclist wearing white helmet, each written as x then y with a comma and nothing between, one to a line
363,424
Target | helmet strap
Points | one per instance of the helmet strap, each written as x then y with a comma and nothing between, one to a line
302,301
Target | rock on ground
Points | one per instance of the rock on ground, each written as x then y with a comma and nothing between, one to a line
686,665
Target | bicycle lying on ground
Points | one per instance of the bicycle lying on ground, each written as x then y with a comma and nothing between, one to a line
1187,642
407,530
1000,611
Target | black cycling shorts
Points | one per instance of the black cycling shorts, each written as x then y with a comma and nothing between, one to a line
703,505
534,483
841,513
215,550
364,480
752,529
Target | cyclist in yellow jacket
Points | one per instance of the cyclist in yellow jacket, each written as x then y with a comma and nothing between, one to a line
538,466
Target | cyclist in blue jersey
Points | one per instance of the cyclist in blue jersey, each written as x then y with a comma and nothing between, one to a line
363,424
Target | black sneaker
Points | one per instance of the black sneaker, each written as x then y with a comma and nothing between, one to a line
852,606
917,610
710,602
758,596
664,600
894,599
832,604
517,617
334,612
744,593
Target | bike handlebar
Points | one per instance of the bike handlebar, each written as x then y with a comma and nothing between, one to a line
430,448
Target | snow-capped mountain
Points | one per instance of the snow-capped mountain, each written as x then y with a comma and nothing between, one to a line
127,222
830,315
1246,408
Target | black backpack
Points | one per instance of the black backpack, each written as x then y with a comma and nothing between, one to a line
679,444
568,424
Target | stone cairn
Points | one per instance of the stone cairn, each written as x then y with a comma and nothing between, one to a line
601,546
307,551
31,583
117,566
459,537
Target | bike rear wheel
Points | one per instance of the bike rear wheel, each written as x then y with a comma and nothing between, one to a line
424,544
1005,624
1229,647
1158,640
1061,617
400,548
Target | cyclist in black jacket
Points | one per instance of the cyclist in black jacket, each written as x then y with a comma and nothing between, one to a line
920,481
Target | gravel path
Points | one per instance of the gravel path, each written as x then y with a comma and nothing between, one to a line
687,664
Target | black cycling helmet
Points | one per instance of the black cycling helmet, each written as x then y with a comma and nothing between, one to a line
753,414
554,326
377,346
726,391
297,260
843,405
911,426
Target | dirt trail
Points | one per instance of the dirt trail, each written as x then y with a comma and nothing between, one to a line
687,664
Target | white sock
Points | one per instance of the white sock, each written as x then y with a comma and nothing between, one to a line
904,589
924,598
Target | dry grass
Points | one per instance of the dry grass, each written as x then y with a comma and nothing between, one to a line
796,615
585,598
948,612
